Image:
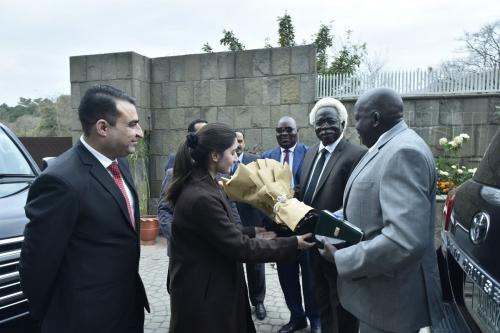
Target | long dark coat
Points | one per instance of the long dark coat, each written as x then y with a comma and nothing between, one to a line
208,292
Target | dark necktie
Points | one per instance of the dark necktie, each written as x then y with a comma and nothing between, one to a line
315,177
235,167
287,157
117,177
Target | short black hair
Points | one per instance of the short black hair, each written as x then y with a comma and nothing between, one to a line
192,124
99,102
240,130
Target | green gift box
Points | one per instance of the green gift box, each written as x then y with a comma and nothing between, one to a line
336,230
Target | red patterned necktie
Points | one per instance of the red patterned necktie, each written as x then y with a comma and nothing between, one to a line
117,177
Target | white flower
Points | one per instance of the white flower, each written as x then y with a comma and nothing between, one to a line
453,166
443,141
464,136
443,173
453,143
470,170
463,167
460,171
458,140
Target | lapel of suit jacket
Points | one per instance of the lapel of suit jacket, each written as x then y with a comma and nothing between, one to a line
97,171
329,166
276,154
307,164
298,155
398,128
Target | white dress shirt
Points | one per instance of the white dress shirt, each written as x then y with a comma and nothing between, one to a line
106,162
330,148
290,159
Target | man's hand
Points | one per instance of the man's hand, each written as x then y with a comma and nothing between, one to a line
328,252
302,243
263,233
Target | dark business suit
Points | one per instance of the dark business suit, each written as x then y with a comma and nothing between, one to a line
80,257
288,271
329,194
251,217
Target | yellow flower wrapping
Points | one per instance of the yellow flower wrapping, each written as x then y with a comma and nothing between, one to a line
265,184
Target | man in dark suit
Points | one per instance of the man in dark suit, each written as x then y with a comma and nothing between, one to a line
80,256
251,217
289,272
325,170
192,128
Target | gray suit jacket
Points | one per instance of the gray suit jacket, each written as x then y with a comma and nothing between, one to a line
390,280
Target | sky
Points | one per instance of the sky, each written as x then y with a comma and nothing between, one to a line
37,37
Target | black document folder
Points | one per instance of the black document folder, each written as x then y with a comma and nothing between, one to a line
336,230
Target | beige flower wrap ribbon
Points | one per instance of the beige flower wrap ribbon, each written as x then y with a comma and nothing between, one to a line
265,184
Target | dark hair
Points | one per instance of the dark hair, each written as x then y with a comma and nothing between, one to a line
240,130
99,102
192,124
194,153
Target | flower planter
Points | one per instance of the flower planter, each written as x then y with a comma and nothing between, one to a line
150,227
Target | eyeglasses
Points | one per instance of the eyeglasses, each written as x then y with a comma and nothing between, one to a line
288,130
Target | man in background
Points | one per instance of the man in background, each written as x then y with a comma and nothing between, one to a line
390,280
193,126
291,152
251,217
325,170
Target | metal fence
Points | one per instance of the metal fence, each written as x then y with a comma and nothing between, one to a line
409,83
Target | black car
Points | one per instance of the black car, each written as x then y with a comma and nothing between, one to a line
470,270
17,172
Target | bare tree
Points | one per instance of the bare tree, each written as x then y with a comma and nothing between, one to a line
481,51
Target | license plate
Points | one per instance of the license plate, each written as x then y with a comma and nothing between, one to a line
483,309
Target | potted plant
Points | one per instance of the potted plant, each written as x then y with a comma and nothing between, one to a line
138,161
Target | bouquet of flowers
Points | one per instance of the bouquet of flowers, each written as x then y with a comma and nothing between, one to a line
266,185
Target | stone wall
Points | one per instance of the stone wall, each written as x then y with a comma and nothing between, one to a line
248,90
251,90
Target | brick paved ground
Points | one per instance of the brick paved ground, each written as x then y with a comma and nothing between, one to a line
153,269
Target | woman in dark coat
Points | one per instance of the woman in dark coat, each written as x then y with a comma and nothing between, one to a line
207,286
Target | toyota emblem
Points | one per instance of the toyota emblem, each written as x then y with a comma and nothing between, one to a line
479,228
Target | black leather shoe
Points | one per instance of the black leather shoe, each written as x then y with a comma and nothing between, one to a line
293,326
260,311
315,329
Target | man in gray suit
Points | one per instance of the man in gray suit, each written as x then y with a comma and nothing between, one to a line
325,170
390,280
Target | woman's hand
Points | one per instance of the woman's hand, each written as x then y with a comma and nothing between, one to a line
302,243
